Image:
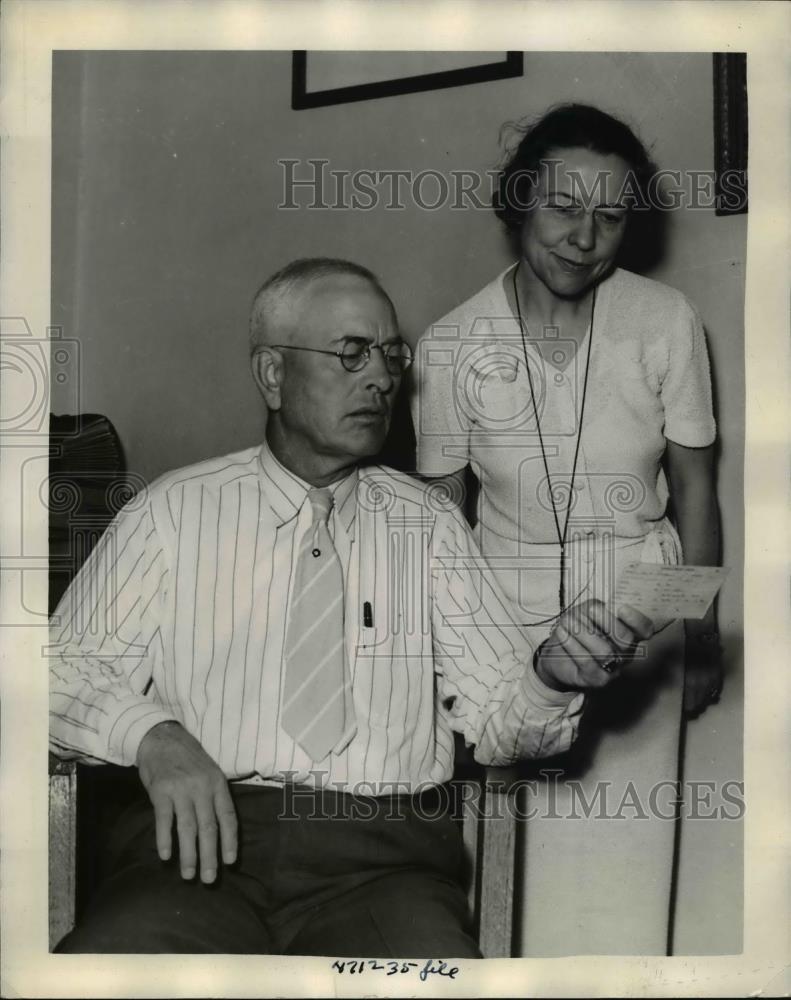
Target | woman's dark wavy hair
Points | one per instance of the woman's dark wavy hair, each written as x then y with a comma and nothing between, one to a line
567,126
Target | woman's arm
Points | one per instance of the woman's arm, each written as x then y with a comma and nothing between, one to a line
691,475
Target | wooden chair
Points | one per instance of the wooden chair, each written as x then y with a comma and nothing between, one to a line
62,848
489,835
87,486
488,831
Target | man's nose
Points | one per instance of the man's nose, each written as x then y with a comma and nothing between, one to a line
583,235
378,374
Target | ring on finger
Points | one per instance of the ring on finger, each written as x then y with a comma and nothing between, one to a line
611,664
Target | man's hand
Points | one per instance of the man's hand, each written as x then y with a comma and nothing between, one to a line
588,645
183,781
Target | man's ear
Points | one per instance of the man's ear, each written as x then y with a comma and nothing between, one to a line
267,366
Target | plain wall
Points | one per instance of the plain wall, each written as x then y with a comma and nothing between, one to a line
166,189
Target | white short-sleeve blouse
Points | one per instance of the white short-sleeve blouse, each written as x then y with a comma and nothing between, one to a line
648,382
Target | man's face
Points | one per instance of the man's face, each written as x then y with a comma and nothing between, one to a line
329,418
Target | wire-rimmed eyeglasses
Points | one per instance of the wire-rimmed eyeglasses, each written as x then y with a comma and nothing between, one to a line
355,355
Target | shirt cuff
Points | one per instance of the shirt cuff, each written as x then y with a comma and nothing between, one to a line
132,721
543,696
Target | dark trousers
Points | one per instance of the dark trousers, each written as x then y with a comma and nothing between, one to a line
317,874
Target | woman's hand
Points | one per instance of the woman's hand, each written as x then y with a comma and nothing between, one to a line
691,474
589,644
703,671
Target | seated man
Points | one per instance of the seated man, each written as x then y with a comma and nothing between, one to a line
284,641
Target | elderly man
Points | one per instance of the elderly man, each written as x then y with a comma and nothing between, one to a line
284,641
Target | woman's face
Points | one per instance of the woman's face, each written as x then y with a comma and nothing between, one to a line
576,222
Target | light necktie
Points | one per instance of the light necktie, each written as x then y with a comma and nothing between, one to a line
316,708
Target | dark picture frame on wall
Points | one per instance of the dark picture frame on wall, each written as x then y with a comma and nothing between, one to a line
730,132
302,98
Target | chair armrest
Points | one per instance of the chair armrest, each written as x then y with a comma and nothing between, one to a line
489,826
62,847
497,864
58,766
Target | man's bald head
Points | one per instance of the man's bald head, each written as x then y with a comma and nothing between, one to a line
274,308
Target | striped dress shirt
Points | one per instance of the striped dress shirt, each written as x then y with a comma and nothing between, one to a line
180,614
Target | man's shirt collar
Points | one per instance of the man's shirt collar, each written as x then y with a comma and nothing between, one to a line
286,492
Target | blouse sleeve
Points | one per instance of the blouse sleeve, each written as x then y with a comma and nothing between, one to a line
686,386
441,427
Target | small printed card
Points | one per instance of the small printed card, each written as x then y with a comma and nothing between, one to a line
669,591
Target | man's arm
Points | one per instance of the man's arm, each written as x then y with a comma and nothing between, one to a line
104,633
102,637
503,699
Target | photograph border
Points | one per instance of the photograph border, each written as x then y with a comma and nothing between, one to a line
31,30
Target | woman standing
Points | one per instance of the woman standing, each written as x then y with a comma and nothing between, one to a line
578,395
